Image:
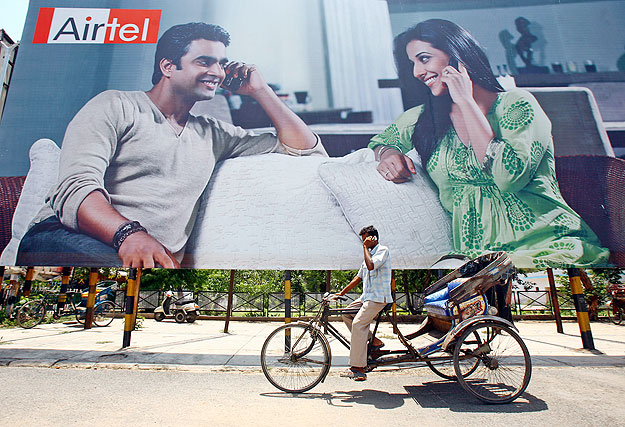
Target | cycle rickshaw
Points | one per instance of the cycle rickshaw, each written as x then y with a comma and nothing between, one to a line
468,318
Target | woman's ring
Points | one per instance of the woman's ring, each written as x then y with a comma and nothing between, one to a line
386,173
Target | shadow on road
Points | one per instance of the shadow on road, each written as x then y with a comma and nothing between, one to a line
434,394
449,394
376,398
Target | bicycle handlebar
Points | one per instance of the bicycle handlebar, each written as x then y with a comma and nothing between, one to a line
333,297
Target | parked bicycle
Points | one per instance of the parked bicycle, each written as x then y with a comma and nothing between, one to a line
33,312
616,307
473,345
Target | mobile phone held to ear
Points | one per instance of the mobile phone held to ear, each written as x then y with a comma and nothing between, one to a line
453,62
231,83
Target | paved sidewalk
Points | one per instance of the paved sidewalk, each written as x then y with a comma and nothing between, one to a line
204,346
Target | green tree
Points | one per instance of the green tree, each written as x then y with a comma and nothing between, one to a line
600,279
180,279
80,275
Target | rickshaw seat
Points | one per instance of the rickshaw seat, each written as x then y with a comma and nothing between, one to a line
437,308
436,303
443,294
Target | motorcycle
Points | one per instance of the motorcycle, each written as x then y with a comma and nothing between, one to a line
616,307
181,309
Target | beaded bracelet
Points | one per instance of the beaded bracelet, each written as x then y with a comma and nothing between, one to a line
126,230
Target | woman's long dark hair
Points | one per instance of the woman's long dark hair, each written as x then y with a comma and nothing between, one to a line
456,42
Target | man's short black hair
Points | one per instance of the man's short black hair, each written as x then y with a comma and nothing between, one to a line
369,230
174,43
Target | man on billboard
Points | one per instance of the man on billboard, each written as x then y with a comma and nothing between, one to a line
134,164
375,275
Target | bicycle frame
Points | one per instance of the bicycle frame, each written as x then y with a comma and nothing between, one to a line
321,323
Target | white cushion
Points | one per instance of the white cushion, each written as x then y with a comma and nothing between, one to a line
408,216
42,175
272,212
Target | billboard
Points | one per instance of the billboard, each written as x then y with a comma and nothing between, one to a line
167,161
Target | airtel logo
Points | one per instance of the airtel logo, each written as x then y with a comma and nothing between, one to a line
96,26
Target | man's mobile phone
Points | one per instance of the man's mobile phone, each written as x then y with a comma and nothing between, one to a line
231,83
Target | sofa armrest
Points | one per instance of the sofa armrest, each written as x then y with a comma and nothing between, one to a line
10,190
593,187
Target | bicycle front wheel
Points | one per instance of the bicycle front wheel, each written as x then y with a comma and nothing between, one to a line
295,357
31,314
504,366
103,313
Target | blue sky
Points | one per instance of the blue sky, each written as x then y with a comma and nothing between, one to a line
12,17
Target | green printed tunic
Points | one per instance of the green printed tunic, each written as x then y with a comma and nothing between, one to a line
512,202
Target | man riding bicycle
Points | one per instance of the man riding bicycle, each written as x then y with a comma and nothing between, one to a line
375,275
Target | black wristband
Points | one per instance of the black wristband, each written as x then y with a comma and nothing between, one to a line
126,230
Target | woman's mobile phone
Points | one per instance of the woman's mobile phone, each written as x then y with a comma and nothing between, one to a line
231,83
453,62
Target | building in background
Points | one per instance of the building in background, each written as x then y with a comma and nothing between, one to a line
8,52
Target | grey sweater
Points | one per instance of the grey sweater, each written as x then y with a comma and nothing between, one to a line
120,143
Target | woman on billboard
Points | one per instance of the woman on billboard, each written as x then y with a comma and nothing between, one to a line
489,152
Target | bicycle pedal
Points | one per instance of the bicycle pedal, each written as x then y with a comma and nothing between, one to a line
375,354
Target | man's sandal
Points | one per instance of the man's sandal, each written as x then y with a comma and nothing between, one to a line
354,375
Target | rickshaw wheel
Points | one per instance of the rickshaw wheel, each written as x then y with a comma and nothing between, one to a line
444,369
503,368
616,316
447,370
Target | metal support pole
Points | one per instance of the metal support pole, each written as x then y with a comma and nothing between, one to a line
328,280
28,281
554,301
93,280
394,309
2,269
581,308
2,287
13,290
287,296
407,291
229,307
287,309
136,307
67,271
130,306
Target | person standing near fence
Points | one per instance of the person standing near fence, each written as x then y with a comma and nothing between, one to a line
375,275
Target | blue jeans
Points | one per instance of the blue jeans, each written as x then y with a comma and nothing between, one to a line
50,243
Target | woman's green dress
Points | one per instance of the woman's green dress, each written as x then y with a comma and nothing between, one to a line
512,202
